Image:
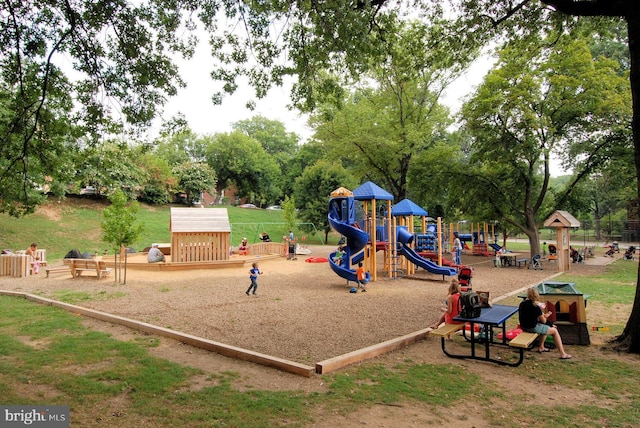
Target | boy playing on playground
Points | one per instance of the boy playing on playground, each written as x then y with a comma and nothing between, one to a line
361,277
253,276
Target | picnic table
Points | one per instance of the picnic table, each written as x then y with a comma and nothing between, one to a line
490,318
513,259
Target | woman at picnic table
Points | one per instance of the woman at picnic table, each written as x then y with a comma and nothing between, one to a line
533,320
451,311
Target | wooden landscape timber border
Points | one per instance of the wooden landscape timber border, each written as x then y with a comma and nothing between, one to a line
323,367
178,266
335,363
198,342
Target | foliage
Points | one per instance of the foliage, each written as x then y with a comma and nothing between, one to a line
537,101
74,70
277,143
242,161
119,226
289,212
112,165
313,190
178,144
160,183
194,179
380,129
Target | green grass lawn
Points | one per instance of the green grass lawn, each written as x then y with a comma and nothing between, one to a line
59,228
48,357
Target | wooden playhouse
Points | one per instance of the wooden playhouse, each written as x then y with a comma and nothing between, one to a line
199,234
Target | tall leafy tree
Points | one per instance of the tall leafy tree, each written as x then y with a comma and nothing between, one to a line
537,102
276,142
312,190
242,161
70,69
194,179
177,143
513,17
379,130
110,166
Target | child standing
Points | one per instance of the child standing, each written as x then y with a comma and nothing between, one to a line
253,276
361,277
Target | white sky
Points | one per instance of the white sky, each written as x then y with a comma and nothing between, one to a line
194,101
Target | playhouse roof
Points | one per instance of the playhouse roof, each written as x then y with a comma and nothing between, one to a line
200,220
561,219
341,191
369,191
406,207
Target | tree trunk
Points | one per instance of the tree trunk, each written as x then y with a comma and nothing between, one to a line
630,338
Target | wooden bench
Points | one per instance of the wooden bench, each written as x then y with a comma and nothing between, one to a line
521,262
523,340
78,266
56,269
446,330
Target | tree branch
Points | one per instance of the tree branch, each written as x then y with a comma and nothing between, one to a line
592,7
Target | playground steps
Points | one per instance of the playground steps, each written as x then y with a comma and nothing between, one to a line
481,249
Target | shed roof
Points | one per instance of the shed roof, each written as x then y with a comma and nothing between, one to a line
561,218
407,207
200,220
369,191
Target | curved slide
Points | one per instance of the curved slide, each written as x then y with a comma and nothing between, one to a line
356,241
426,264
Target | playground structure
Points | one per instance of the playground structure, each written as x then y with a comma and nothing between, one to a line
392,233
477,237
562,221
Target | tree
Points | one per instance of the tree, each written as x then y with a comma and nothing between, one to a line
119,228
289,213
378,130
313,189
110,166
177,143
119,57
534,103
242,161
503,11
160,184
276,142
194,179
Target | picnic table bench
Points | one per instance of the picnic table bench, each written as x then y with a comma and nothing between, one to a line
446,330
523,340
522,262
78,266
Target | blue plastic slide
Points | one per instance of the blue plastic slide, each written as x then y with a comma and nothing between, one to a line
356,241
426,264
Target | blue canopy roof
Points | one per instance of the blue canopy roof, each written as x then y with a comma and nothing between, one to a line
406,207
369,191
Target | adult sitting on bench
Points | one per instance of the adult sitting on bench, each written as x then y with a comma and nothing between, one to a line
532,320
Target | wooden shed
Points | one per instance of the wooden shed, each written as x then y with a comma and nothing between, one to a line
200,234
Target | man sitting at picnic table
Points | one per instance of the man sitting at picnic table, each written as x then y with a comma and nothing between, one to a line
155,255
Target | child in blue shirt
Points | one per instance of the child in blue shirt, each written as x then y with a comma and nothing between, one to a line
253,276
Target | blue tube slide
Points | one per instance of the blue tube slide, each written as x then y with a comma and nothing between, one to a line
404,240
356,240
